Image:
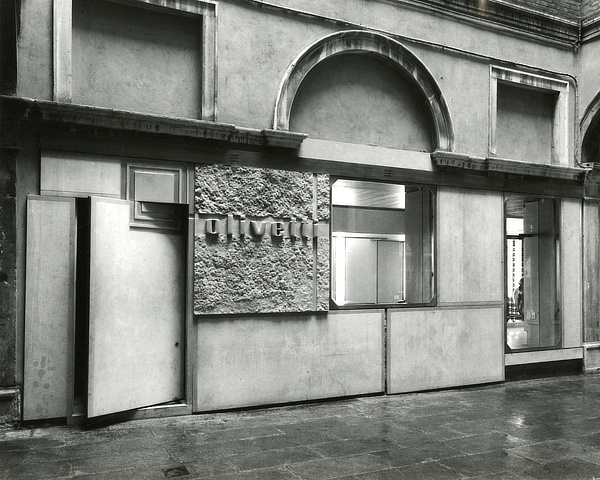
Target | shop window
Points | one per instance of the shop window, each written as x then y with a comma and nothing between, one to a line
382,243
532,246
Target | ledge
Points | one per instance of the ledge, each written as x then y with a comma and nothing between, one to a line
452,161
542,356
140,122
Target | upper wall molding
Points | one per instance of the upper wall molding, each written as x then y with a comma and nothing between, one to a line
384,48
51,114
501,14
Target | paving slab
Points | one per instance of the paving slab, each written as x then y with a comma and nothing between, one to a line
529,429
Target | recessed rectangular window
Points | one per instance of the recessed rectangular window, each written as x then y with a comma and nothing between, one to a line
524,125
382,243
136,59
147,56
532,245
529,117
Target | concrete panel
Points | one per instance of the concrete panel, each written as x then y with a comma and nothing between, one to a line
49,308
260,360
80,175
429,349
591,274
571,248
470,246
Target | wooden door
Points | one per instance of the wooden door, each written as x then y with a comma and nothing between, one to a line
137,308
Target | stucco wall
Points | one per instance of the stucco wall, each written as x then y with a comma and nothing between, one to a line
256,44
120,62
589,73
34,47
251,254
275,39
359,99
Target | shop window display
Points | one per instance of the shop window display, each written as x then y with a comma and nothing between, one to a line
382,243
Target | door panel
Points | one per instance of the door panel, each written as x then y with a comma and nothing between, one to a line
49,307
137,308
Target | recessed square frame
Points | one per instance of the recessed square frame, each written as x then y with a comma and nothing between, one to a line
63,40
156,191
560,123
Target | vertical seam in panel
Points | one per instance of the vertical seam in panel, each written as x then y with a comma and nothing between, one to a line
315,241
385,351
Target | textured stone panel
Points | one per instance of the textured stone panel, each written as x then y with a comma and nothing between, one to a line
253,191
237,269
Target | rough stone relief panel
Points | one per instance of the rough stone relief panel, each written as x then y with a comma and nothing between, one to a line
259,247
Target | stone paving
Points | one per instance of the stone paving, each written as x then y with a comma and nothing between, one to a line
531,429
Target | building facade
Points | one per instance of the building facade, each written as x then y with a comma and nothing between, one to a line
224,204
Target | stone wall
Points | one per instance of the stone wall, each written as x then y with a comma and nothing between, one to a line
9,397
258,248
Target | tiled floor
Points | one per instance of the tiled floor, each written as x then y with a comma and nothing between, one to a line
532,429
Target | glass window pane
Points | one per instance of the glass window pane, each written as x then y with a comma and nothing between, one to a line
532,245
382,245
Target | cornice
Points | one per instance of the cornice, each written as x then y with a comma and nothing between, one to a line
505,15
87,116
500,166
590,29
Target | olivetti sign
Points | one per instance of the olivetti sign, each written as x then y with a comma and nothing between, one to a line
240,225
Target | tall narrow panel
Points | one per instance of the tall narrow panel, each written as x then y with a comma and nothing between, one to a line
49,307
137,300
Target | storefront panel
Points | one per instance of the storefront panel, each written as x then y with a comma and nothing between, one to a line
262,360
440,348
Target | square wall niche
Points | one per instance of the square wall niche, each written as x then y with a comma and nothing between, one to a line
528,117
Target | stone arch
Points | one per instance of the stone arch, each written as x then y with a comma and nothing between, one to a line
590,131
384,48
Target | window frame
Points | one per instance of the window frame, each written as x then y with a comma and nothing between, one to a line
365,306
557,270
